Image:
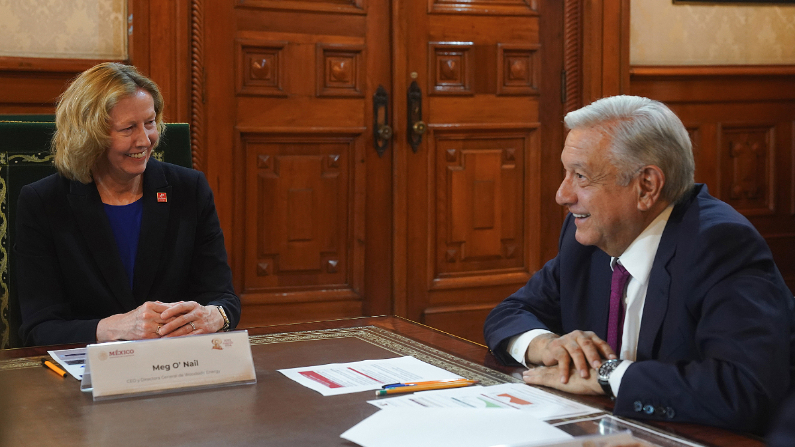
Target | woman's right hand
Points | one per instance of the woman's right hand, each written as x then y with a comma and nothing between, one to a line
140,323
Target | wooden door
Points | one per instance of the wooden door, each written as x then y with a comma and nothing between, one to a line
320,226
479,191
304,198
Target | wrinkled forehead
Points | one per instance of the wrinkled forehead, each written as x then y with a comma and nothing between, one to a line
586,148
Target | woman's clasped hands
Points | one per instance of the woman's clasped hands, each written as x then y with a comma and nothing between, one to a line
155,319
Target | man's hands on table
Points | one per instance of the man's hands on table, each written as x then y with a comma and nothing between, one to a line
570,361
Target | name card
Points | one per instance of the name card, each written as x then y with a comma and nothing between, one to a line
126,368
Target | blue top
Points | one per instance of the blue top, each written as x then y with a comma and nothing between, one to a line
125,220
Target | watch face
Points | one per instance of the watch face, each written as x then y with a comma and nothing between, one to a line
608,367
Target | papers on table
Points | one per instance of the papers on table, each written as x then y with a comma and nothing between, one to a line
459,427
71,360
367,375
532,401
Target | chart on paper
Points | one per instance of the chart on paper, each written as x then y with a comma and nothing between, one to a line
367,375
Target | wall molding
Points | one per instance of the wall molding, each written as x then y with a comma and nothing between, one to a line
711,70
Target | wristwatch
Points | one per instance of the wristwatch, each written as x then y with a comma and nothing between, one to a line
226,319
605,370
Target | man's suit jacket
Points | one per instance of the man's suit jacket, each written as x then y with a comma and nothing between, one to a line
716,338
70,274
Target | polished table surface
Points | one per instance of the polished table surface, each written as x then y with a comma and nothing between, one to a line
38,407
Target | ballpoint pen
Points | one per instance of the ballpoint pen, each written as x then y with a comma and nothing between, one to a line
430,386
429,382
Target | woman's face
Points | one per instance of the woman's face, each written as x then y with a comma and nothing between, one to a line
133,134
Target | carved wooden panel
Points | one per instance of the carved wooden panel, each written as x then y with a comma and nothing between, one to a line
741,122
491,7
450,68
301,221
340,70
260,67
327,6
480,194
518,69
747,169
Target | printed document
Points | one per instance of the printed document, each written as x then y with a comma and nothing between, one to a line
366,375
533,401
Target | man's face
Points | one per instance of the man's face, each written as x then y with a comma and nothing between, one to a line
606,214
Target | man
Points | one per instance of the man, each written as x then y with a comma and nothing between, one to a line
700,319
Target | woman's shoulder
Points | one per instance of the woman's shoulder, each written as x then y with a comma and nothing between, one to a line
173,174
53,183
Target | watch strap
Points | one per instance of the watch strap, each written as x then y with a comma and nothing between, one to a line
225,328
605,371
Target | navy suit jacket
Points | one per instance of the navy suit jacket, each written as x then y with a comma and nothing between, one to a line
716,334
70,274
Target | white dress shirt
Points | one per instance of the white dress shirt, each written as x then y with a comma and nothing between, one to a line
637,259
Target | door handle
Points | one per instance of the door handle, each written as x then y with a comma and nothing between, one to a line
416,126
382,133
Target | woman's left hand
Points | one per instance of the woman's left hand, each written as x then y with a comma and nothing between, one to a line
190,317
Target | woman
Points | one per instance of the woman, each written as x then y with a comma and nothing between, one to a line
116,245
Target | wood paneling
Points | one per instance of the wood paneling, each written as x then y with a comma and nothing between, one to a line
741,122
31,85
473,193
292,153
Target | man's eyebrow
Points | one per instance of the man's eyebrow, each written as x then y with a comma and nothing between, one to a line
578,165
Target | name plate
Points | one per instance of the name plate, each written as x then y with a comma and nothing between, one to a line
169,364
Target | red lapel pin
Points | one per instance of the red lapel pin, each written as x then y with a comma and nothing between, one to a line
161,197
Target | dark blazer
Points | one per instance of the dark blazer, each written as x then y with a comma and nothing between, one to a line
70,274
716,334
782,433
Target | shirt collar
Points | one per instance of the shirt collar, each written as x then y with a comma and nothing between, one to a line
639,256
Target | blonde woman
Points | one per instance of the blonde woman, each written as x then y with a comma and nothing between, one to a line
116,245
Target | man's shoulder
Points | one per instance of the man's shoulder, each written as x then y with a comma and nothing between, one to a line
704,213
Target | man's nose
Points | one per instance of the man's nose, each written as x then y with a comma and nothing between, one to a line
564,196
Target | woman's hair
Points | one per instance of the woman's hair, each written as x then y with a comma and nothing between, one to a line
82,116
642,132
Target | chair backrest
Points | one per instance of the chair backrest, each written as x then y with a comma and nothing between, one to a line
24,158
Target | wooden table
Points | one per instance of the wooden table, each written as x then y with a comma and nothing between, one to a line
38,407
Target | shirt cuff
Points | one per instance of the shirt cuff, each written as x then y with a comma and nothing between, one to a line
617,375
518,344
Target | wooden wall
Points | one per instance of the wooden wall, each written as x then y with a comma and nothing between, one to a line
741,120
160,47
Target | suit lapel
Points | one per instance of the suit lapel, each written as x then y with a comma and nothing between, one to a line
598,302
93,223
157,201
658,292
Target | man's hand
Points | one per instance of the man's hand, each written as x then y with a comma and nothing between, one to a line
549,376
583,348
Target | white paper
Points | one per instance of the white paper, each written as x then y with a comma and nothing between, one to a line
454,427
518,396
72,361
367,375
165,364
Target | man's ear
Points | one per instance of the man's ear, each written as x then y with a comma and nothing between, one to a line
650,184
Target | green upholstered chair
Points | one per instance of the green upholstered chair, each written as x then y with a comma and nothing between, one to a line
44,118
24,158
